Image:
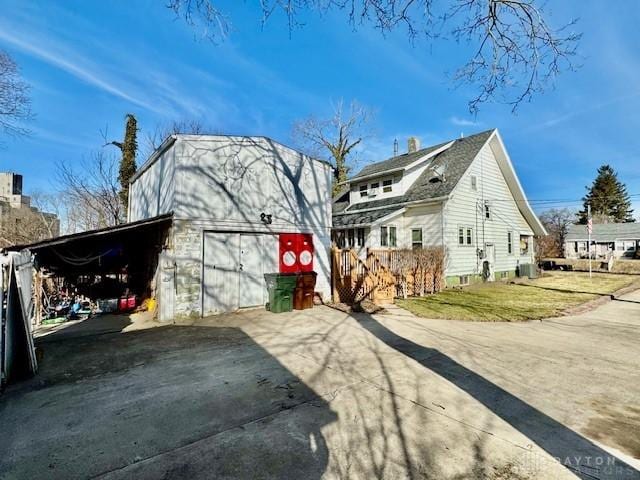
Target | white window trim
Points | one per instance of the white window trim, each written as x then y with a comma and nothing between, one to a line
388,226
464,230
411,242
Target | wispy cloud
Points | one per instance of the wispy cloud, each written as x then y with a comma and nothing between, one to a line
77,69
464,122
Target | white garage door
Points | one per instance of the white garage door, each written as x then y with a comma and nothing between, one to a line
234,267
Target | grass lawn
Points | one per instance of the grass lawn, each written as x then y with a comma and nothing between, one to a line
541,298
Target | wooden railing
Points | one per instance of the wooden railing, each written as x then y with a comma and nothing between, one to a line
354,280
418,279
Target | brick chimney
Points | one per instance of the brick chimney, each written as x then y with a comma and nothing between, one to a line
413,144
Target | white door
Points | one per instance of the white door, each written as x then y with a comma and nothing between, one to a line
220,286
490,258
252,284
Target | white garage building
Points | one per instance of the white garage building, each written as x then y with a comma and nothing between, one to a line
234,201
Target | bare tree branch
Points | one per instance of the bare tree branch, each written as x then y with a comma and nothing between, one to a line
516,53
334,139
15,103
91,193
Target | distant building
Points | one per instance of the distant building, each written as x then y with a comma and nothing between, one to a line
19,221
620,240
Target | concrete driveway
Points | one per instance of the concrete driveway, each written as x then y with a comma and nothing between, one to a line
320,393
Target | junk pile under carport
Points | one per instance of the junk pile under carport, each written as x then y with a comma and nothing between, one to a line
107,271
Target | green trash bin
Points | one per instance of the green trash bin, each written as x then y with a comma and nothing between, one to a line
280,287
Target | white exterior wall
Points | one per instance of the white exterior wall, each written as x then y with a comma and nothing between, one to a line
428,218
153,192
463,209
224,184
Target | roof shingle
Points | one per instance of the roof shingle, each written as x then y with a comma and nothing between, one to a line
454,162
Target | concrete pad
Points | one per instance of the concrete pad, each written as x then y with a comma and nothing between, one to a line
320,393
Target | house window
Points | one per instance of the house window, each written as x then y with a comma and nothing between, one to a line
464,279
416,238
363,191
339,238
487,210
474,182
388,237
374,186
465,235
387,186
360,237
351,238
524,244
392,237
509,243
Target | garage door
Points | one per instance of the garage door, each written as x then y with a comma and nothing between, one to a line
234,265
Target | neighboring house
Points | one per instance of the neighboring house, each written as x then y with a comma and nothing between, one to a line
462,194
19,221
607,239
234,201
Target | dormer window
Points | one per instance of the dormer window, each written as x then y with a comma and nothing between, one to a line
387,186
363,191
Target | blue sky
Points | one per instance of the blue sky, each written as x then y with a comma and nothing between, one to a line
90,63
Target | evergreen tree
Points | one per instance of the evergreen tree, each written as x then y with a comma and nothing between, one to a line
128,147
608,198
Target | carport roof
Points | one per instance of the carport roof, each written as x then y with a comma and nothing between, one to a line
101,232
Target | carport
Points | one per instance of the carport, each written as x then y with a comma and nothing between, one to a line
114,263
103,263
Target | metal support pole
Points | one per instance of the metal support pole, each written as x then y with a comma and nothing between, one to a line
589,227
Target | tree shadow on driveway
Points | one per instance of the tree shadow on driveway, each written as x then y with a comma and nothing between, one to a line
575,452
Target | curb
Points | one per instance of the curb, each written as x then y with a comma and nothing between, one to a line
596,302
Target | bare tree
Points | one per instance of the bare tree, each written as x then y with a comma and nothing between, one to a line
557,222
154,138
15,103
21,226
46,207
335,138
91,193
515,51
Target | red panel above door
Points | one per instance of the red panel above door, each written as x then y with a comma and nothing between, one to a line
296,252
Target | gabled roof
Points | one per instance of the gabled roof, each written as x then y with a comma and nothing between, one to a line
451,163
605,232
454,161
171,139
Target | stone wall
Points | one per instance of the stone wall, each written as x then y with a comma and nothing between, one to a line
187,249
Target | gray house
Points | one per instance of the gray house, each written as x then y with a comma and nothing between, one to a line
620,240
463,194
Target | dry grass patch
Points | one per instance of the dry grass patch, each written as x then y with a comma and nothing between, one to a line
544,297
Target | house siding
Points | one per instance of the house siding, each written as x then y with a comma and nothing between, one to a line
464,209
426,217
